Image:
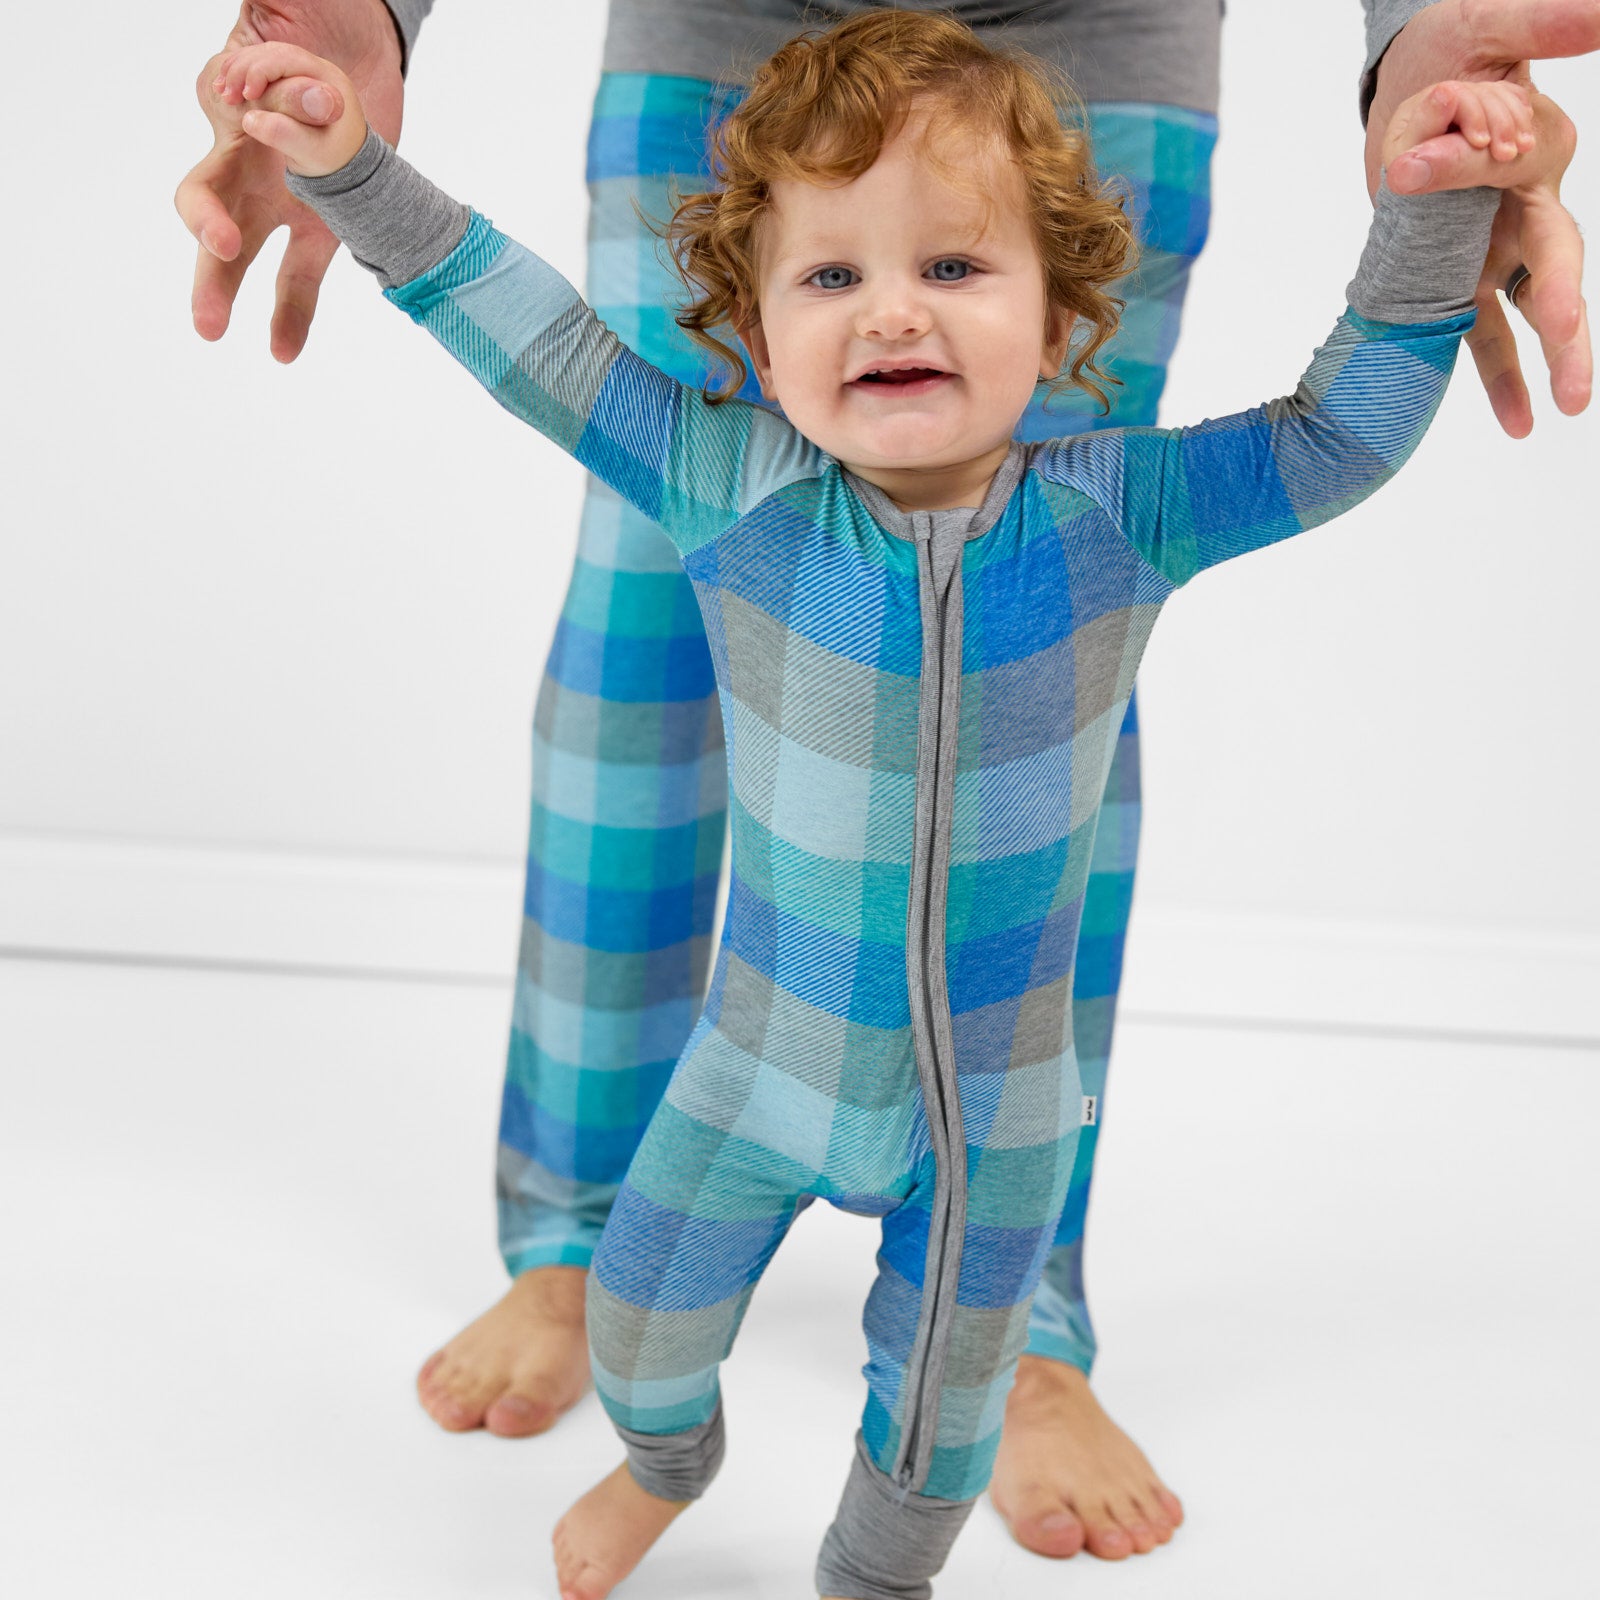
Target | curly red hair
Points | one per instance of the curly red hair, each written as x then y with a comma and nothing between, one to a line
826,104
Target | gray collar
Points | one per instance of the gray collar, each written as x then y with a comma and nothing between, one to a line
972,523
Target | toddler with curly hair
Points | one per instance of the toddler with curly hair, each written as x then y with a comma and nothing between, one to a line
925,634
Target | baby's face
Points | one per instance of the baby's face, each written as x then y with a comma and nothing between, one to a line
902,319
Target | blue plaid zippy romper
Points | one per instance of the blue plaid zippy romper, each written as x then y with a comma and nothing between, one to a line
921,712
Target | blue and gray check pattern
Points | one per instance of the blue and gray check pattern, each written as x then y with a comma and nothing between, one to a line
799,1079
629,780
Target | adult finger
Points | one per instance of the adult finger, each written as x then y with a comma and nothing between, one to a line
211,299
1529,30
1447,161
305,263
205,91
1494,353
1552,251
218,267
205,214
1572,371
216,283
1424,116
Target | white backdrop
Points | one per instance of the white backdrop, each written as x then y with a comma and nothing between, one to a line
269,636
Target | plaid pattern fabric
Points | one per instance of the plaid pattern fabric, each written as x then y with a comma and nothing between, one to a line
1163,155
618,911
629,805
799,1079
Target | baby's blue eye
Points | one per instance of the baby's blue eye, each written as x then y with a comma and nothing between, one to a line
950,270
832,277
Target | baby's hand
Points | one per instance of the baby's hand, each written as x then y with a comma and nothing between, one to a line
1495,116
274,82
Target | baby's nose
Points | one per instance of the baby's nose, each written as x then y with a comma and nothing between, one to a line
896,311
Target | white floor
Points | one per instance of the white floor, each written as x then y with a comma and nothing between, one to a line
1347,1291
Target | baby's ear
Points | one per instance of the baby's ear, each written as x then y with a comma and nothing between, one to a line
1058,327
754,339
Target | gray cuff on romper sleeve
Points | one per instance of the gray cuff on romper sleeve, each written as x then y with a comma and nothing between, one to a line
886,1543
677,1466
1424,255
395,222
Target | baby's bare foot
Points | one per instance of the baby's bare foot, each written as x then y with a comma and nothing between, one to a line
605,1535
1068,1478
522,1364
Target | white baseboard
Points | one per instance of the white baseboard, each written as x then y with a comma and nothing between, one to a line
401,915
1261,968
456,921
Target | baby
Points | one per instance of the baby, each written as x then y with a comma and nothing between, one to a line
925,635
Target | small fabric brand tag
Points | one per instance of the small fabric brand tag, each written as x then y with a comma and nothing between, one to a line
1091,1110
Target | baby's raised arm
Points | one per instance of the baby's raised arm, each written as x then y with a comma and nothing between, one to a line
1188,498
517,325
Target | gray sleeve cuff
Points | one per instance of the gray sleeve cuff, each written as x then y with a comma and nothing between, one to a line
1424,255
1385,18
408,15
395,222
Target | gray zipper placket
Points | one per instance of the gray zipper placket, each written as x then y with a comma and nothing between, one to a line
940,538
940,543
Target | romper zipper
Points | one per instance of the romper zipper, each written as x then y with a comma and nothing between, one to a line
938,729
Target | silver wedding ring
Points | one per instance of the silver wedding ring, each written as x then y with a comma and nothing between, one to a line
1515,282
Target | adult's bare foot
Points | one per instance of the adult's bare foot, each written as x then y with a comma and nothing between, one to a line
520,1366
1068,1478
605,1535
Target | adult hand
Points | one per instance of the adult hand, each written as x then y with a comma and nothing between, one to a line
233,199
1489,39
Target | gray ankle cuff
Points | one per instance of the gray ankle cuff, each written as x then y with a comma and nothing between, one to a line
886,1543
676,1466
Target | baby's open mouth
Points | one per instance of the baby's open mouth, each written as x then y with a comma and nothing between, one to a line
902,375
